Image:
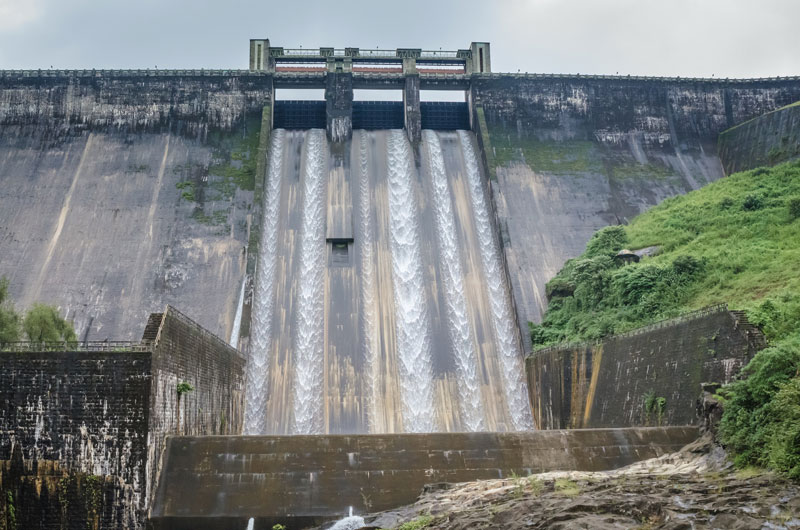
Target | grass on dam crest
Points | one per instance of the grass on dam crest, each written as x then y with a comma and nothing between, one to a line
737,241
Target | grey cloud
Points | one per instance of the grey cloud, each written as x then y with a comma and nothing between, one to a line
733,38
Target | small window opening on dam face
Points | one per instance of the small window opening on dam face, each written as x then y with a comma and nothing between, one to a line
444,110
297,108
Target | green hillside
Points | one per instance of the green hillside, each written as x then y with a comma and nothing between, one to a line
735,241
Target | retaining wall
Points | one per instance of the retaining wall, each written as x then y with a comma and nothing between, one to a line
606,384
220,482
83,431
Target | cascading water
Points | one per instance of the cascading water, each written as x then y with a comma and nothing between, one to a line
237,320
367,283
308,360
413,341
502,316
452,278
423,335
263,301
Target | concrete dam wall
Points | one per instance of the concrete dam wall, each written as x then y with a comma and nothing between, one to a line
569,155
381,304
119,194
764,141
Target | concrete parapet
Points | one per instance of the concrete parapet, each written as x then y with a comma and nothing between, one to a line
220,482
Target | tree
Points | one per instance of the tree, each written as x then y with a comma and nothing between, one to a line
9,319
43,324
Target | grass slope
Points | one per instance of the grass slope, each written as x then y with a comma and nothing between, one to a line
735,241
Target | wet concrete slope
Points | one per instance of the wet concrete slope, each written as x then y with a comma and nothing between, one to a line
121,195
96,226
569,155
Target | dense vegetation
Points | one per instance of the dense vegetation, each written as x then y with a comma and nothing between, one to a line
736,241
41,323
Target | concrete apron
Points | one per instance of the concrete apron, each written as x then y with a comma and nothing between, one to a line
220,482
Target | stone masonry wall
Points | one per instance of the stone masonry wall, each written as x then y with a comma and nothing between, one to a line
606,384
81,433
77,423
184,352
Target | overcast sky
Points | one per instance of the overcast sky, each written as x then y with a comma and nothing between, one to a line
727,38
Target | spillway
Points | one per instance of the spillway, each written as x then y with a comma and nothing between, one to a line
502,316
381,304
264,299
413,341
453,284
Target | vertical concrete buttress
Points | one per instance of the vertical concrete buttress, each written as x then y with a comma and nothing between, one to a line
411,110
339,102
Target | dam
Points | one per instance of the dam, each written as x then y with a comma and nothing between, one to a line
371,265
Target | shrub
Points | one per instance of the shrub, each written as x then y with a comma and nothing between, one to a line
783,433
748,424
9,319
794,208
753,202
42,323
607,242
183,388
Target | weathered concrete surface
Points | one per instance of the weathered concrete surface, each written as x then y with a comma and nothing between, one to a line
571,154
83,431
606,384
90,216
764,141
220,482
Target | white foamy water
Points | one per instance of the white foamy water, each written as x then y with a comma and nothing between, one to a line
237,319
368,285
308,354
255,419
413,328
351,522
453,282
503,318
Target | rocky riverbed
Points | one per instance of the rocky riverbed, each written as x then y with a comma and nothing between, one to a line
694,488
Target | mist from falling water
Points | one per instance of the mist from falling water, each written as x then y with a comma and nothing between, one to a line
413,328
308,360
255,419
502,316
368,284
453,282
